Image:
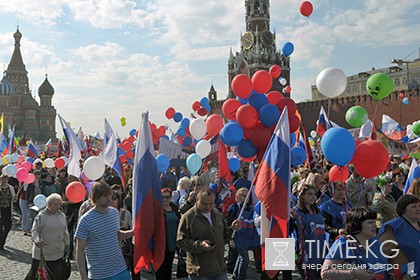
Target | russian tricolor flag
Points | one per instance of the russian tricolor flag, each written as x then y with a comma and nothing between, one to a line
392,129
31,150
272,185
323,124
412,174
148,218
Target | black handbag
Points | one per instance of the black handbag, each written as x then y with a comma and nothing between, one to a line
181,268
66,267
127,247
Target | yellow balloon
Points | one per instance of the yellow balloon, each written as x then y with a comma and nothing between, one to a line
4,160
311,142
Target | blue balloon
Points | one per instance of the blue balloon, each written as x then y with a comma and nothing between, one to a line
40,201
246,100
207,107
163,162
288,49
31,160
133,132
234,164
338,145
185,122
187,141
292,139
177,117
194,163
269,115
181,132
204,101
246,149
298,156
231,134
405,139
165,136
258,100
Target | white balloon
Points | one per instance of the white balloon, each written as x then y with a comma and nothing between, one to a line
282,81
313,133
198,128
331,82
11,169
49,163
409,129
40,201
4,171
94,168
203,148
14,158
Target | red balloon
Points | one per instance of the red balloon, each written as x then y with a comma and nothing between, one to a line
242,85
152,126
214,124
294,123
75,192
131,139
275,71
162,130
357,142
401,95
260,136
338,173
129,154
59,163
274,97
262,81
370,158
291,105
229,108
247,116
306,8
202,112
247,132
170,112
287,89
196,106
126,145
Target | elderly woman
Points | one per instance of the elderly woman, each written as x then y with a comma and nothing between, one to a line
405,231
183,187
50,239
7,195
189,199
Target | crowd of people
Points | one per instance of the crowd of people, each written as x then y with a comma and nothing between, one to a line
372,221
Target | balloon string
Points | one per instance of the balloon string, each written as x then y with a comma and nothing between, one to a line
304,23
374,115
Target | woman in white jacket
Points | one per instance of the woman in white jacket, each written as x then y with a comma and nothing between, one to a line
50,239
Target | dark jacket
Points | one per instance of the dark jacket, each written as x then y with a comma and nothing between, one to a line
193,229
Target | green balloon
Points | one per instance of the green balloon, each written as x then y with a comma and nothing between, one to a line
356,116
379,86
416,129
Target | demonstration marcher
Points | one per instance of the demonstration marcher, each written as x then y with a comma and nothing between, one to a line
50,239
97,238
202,233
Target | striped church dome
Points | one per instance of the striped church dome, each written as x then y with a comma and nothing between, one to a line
6,87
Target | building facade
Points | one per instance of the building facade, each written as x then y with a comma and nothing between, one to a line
35,121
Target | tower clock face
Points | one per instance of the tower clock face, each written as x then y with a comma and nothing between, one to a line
267,38
247,40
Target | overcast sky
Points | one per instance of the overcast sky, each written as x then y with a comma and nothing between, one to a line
118,58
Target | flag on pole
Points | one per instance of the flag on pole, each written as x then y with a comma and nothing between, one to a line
3,143
272,185
111,152
250,178
412,174
148,218
323,124
12,144
31,150
391,128
73,168
310,159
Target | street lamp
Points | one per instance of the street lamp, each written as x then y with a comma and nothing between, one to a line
400,62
